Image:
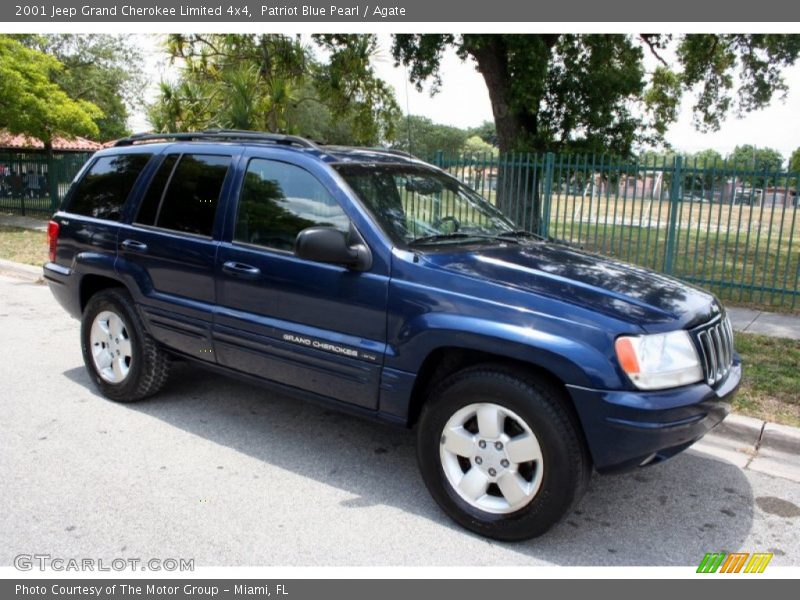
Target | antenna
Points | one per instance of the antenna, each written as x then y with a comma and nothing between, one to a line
408,113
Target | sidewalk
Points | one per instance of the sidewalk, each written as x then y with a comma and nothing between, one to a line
748,320
23,222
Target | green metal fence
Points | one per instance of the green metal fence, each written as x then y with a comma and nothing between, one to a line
735,231
30,184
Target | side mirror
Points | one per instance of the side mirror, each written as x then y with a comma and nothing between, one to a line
329,245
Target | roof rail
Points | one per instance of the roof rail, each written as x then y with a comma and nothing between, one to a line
399,153
393,151
218,134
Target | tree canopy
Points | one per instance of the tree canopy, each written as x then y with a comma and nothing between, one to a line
752,158
757,165
476,145
794,161
272,82
103,69
592,92
424,138
706,158
486,131
32,103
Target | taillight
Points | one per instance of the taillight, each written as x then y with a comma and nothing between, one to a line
52,238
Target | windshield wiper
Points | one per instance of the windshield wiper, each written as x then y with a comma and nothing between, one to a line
511,236
439,237
520,233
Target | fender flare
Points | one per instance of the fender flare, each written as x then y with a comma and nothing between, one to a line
572,362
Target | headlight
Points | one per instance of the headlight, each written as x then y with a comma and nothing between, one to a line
659,361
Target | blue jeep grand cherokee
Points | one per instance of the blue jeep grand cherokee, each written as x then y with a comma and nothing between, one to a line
379,284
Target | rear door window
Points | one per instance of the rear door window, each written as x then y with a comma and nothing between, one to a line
148,209
105,187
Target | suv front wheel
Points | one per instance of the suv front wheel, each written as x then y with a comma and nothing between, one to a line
500,453
124,362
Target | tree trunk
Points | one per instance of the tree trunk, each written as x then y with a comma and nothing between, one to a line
517,179
492,59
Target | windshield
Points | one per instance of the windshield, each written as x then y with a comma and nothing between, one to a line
416,205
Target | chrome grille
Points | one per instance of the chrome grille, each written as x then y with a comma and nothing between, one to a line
716,350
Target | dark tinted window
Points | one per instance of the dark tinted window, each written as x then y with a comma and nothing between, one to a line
279,200
104,189
148,209
190,201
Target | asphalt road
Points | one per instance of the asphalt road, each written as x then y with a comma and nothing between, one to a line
229,474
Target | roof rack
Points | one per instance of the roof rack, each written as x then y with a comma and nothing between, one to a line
393,151
397,152
218,134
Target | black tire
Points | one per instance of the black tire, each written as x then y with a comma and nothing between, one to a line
149,365
566,465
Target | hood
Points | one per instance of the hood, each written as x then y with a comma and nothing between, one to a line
624,291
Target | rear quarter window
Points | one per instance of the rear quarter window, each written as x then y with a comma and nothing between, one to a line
184,193
102,192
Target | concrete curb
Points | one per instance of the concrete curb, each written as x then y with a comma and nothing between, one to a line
735,440
755,445
750,431
739,428
782,438
779,452
21,271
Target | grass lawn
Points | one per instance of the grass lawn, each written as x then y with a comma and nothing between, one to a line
771,386
23,245
760,273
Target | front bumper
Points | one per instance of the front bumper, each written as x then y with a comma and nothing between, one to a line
626,429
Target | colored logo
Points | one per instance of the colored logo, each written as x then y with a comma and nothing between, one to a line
735,562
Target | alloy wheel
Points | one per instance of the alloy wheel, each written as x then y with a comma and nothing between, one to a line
111,347
491,458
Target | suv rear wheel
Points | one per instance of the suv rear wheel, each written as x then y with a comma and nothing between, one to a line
124,362
500,453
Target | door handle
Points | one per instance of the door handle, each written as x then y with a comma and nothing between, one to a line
134,246
242,270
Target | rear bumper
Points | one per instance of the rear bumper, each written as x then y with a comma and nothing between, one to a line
626,429
59,279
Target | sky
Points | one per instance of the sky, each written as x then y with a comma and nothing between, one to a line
463,101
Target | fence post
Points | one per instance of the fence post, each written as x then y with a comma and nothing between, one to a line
438,159
23,188
674,205
547,194
52,182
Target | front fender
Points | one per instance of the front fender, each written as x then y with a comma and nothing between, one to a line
571,359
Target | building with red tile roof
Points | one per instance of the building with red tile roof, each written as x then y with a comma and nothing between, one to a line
15,142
